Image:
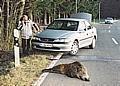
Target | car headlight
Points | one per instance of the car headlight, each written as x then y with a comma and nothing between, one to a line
33,38
62,40
36,38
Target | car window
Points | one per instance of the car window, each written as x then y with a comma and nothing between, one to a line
55,24
82,26
108,18
64,25
88,26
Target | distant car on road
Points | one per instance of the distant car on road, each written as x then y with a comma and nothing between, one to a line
109,20
66,34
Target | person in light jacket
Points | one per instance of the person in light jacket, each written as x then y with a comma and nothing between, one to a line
27,28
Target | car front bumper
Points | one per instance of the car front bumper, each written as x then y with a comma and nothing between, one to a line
52,47
109,22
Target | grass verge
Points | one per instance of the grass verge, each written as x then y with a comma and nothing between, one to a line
27,73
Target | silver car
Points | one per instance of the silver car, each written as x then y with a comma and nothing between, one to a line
109,20
66,34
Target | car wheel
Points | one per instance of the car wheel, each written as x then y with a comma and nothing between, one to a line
74,48
92,46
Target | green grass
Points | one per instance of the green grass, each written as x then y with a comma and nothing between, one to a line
27,73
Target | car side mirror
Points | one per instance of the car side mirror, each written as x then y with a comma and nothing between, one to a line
89,27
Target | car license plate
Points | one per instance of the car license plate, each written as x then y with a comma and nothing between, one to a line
45,45
48,45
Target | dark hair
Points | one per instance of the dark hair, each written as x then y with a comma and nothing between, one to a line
21,18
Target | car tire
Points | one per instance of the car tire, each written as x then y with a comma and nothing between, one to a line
92,46
74,48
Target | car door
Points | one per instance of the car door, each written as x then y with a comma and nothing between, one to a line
89,32
82,34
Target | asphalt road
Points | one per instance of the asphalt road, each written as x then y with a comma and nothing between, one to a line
103,62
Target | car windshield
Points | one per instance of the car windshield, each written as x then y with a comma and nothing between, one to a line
109,18
63,25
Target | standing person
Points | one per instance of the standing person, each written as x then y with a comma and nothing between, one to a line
27,27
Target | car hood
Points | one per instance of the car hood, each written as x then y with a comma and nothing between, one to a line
55,34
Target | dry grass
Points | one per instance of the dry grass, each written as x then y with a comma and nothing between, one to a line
27,73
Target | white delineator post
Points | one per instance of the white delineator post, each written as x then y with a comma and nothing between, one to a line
16,47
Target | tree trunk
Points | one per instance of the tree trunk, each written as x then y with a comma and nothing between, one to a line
45,18
1,18
52,19
59,14
54,15
39,20
20,9
64,15
49,19
28,8
6,19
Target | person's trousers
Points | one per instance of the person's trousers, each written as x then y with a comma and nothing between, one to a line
25,45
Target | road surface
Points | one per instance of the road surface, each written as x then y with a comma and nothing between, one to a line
103,62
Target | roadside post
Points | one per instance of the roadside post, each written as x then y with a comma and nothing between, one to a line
16,47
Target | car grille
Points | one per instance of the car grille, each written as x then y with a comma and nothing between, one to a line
47,39
44,40
56,48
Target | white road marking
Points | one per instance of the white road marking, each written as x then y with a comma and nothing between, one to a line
115,41
109,31
110,26
97,58
44,75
